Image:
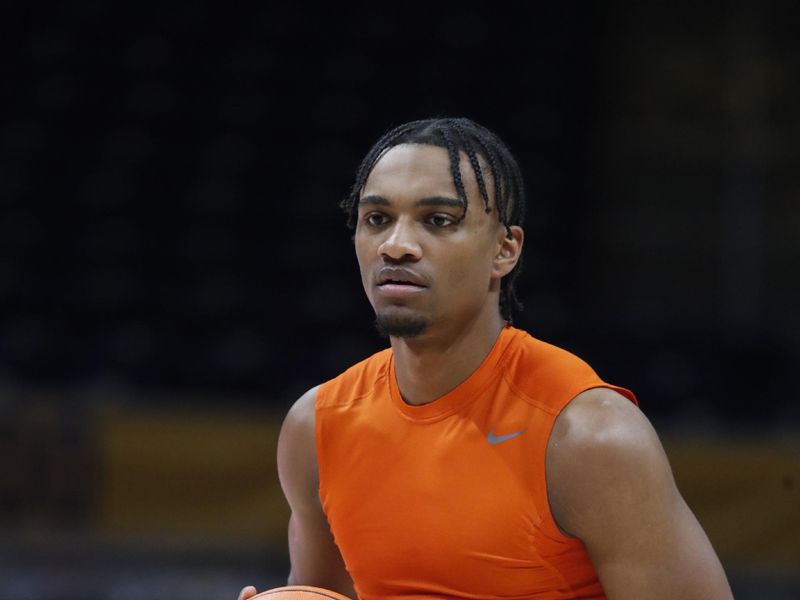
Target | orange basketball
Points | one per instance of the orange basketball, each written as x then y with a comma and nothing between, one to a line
298,592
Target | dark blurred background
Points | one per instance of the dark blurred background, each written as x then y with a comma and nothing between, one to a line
175,271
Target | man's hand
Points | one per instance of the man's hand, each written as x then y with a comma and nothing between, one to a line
247,592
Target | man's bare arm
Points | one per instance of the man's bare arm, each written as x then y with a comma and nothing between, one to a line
610,484
315,558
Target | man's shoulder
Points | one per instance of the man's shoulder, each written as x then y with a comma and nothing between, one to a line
601,441
601,417
550,376
536,367
535,354
601,437
356,381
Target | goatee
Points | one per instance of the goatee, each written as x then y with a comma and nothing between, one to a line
401,326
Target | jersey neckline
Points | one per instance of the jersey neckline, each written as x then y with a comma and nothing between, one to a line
464,393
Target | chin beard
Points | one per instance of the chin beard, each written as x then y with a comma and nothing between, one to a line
401,326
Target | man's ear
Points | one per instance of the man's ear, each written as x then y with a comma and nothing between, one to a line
509,250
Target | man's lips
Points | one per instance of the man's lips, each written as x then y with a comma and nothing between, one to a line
399,281
400,276
397,290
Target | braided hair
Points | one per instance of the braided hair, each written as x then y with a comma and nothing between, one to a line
459,135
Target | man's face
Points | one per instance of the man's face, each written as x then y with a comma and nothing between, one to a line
420,265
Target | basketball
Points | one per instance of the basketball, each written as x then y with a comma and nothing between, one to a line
298,592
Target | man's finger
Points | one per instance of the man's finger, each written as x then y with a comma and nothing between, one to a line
247,592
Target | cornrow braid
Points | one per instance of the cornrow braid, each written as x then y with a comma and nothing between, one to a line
499,183
455,167
456,135
476,167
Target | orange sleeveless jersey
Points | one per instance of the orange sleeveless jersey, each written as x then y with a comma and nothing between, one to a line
448,499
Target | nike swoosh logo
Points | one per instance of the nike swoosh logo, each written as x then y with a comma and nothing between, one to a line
496,439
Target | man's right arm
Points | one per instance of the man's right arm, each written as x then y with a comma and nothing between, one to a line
315,558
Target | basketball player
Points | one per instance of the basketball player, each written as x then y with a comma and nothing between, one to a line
469,459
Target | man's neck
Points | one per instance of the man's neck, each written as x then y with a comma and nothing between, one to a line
430,366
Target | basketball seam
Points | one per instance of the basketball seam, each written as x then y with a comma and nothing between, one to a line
304,591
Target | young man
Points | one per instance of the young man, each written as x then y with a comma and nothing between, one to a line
470,460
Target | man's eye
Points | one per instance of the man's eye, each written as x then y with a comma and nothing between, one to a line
441,220
375,219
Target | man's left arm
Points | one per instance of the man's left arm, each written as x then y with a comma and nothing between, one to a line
610,484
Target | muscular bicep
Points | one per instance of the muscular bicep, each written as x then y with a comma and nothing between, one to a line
610,485
315,558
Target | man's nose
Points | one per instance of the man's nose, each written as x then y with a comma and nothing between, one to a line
401,243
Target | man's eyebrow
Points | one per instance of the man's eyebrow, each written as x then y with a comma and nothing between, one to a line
429,201
440,201
373,199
